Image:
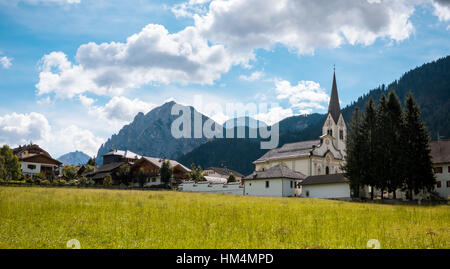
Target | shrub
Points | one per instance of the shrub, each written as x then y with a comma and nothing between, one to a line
90,182
62,182
73,183
107,181
29,180
45,182
82,181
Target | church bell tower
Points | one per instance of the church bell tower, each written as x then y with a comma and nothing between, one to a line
334,124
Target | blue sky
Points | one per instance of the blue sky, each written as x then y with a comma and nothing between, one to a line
61,88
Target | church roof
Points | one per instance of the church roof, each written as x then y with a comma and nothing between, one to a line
334,108
289,150
325,179
278,171
440,151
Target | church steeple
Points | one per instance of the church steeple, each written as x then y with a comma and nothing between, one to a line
334,108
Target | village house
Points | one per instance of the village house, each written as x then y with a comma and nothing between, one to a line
222,172
113,160
278,180
152,167
440,154
34,160
316,160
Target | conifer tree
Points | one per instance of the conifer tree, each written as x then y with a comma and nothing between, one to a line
418,172
381,153
353,167
369,135
394,143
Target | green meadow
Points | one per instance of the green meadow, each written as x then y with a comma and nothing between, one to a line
37,217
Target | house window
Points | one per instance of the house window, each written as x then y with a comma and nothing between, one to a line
31,166
307,193
438,184
327,170
448,183
448,169
267,184
437,170
153,179
341,134
292,184
330,132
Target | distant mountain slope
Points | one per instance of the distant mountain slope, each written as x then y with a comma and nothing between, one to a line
150,135
238,154
74,158
430,84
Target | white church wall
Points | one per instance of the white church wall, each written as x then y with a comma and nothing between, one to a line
231,188
334,190
278,187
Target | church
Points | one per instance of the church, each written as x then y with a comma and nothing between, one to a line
308,168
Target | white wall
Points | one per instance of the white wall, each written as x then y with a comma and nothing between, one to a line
334,190
277,187
26,170
232,188
443,177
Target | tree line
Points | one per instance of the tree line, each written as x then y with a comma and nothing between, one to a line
388,148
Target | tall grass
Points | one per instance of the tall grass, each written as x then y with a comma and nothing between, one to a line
33,217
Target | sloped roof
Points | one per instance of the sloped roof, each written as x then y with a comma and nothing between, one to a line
334,108
290,150
440,151
325,179
123,153
224,171
105,168
159,161
32,149
215,179
40,158
278,171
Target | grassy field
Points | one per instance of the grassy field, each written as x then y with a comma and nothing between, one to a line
34,217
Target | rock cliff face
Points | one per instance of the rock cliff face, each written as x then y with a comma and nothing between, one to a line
150,135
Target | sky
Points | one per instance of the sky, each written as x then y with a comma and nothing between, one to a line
73,72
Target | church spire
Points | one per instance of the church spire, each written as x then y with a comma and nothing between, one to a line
334,108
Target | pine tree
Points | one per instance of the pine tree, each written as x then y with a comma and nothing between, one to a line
166,173
354,159
382,156
419,175
369,135
393,127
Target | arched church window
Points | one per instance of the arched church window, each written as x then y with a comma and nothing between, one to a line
341,134
318,171
327,170
330,132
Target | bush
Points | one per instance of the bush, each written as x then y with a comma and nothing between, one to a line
73,183
29,180
82,181
62,182
90,182
107,181
45,182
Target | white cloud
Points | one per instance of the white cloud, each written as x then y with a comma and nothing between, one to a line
86,101
303,96
302,25
188,9
73,138
253,76
153,55
121,109
274,115
17,129
22,128
442,10
5,62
